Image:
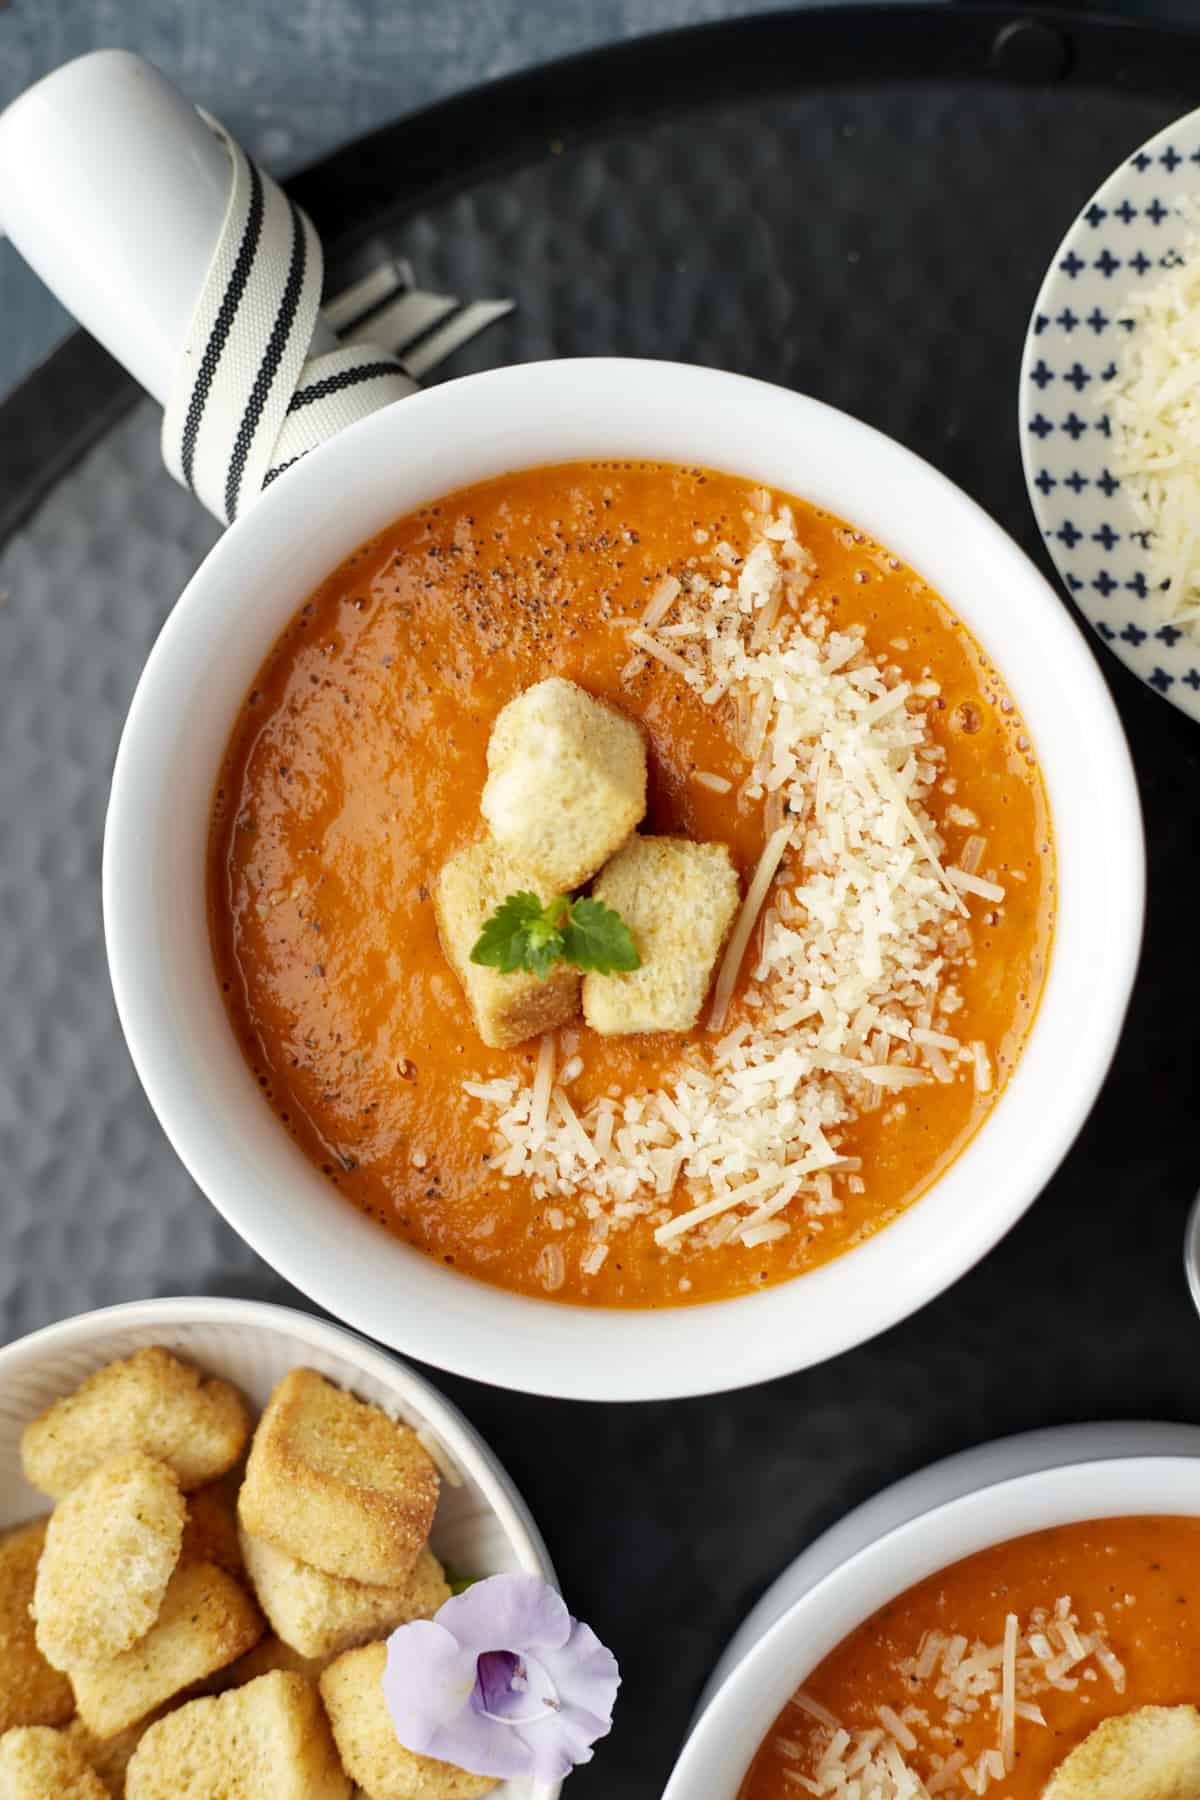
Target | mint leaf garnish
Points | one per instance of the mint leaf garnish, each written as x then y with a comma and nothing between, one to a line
521,934
524,934
596,938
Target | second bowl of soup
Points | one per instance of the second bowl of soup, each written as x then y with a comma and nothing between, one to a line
781,705
1032,1640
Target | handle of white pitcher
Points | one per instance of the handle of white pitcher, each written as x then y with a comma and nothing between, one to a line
192,267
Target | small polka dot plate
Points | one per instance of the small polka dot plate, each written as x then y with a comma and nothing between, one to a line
1130,229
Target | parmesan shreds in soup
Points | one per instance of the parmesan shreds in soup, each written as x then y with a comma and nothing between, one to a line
1065,1664
839,893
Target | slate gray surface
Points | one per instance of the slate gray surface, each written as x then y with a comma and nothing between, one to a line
87,1182
674,236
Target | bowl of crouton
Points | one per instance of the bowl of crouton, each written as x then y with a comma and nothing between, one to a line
219,1083
1009,1617
213,1513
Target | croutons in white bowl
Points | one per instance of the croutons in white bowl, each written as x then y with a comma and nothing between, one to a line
205,662
482,1526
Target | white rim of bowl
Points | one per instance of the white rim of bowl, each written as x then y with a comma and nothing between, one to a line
936,1484
490,1334
467,1448
760,1685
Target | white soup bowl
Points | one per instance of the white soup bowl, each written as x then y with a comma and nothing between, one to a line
205,662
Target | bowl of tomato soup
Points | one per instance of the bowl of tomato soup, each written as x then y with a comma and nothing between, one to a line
980,1644
887,850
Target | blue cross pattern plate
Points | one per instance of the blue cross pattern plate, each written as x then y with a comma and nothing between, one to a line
1130,229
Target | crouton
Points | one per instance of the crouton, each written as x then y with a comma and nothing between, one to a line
108,1756
372,1755
268,1654
679,900
336,1483
39,1763
319,1615
206,1621
1152,1753
269,1738
149,1401
507,1008
566,782
210,1533
31,1692
111,1548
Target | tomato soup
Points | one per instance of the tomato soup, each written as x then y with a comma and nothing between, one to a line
355,770
1107,1619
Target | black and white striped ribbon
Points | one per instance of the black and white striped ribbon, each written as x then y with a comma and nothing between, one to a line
249,398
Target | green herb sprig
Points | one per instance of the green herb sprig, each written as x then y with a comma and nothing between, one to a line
524,934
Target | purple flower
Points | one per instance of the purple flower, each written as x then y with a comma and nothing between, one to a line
501,1681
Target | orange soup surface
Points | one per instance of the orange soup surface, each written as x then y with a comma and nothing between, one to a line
355,770
1107,1620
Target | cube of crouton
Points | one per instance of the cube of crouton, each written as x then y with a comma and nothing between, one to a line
320,1615
206,1621
371,1753
31,1692
507,1008
149,1401
679,900
111,1548
108,1756
268,1654
270,1738
566,782
1140,1755
336,1483
39,1763
210,1533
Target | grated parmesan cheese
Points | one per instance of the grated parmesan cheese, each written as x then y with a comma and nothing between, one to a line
1008,1692
747,919
805,1703
1154,409
863,1765
829,998
670,659
542,1080
974,884
893,1723
753,1235
982,1067
660,603
947,1683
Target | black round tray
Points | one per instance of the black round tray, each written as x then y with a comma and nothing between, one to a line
856,202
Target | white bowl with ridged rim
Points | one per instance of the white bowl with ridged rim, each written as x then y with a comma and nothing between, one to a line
483,1527
934,1518
205,662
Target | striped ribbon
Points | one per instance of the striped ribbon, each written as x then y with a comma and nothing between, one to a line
249,399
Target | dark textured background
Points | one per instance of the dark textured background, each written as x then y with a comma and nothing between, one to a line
801,202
